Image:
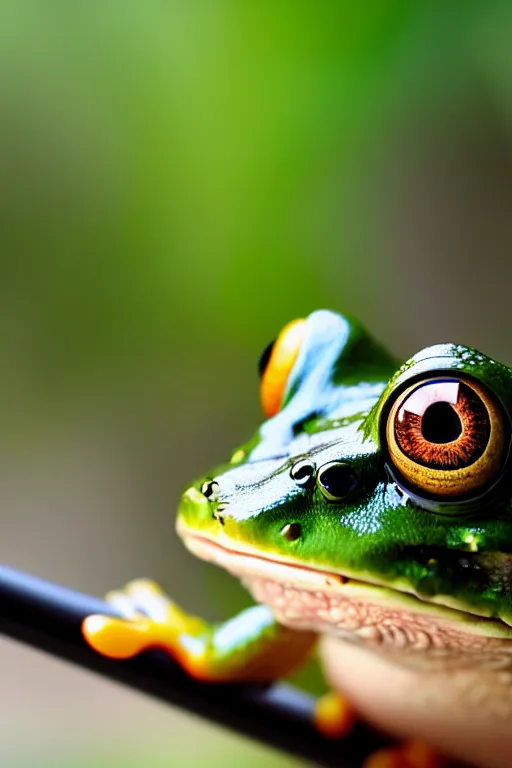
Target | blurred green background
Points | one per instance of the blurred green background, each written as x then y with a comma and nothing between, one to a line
177,181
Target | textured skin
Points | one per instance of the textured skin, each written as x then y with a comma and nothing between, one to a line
427,654
465,713
416,639
412,596
339,388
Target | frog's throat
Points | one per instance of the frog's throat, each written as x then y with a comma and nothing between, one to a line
276,581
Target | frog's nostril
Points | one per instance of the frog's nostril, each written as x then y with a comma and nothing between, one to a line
220,507
210,489
303,473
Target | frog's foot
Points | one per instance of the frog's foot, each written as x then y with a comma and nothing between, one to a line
250,647
334,716
410,754
149,620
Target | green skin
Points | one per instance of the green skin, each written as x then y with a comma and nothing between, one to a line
446,563
384,574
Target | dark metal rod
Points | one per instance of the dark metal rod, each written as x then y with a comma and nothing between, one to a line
49,617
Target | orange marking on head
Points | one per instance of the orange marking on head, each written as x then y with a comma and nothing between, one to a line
282,360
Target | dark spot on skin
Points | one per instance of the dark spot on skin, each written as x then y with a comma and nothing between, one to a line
292,531
299,426
429,582
465,572
427,586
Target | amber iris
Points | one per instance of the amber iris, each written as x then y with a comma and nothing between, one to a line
446,436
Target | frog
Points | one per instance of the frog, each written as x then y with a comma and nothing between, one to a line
371,513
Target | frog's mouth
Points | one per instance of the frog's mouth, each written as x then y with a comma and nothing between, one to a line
389,618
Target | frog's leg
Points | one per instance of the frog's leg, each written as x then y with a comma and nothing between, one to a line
335,718
250,647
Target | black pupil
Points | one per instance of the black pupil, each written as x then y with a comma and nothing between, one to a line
265,357
339,480
441,424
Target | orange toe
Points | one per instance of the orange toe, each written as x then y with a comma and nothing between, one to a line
421,755
333,716
410,754
115,638
386,758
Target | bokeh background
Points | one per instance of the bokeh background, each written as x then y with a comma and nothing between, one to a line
177,181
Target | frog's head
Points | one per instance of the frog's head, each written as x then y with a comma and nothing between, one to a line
372,502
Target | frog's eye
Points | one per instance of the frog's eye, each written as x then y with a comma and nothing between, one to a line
447,436
276,364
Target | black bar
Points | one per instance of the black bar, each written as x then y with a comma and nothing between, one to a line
49,617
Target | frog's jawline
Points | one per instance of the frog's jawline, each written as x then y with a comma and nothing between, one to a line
374,615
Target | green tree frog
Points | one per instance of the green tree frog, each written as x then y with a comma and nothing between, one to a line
372,506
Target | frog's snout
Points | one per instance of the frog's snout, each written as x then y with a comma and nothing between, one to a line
211,491
337,481
201,506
